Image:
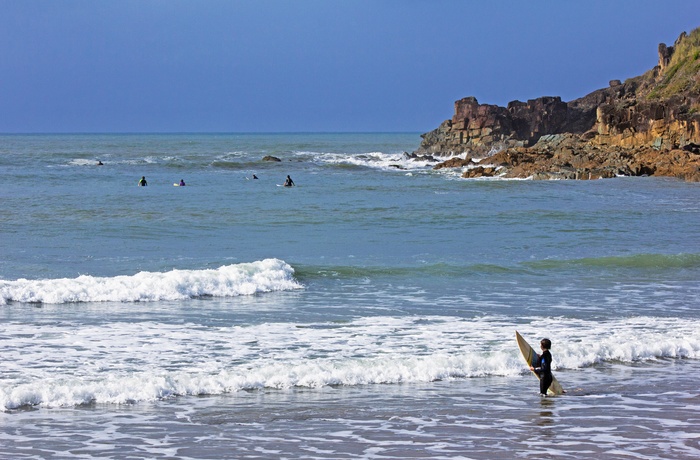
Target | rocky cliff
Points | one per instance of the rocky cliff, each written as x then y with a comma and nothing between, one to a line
648,125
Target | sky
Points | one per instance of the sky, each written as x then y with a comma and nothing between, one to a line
83,66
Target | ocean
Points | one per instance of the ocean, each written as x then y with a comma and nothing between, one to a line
368,312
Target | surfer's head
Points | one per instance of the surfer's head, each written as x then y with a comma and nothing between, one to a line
546,344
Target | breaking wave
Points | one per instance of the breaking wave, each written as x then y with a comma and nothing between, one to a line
227,281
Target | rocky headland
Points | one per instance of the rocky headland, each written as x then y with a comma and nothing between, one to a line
647,125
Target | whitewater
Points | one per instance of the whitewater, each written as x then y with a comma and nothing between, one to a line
368,312
232,280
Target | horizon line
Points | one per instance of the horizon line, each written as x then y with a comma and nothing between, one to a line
53,133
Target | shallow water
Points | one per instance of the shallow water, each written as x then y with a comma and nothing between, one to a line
492,417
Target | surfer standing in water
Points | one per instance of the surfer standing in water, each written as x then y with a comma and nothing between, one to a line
142,182
544,370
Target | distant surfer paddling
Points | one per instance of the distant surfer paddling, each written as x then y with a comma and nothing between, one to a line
544,366
289,182
142,182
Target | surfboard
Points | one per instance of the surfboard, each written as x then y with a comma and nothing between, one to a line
530,356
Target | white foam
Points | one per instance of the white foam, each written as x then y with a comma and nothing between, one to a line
376,160
82,162
227,281
64,364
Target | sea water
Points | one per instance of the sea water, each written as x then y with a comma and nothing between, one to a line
368,312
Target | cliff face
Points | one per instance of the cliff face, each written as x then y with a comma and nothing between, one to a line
629,128
482,129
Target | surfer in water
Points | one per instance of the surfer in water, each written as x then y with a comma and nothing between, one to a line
289,182
544,370
142,182
182,182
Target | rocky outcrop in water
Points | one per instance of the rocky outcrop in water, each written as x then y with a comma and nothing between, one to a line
271,158
648,125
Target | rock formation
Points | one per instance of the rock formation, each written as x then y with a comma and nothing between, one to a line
270,158
647,125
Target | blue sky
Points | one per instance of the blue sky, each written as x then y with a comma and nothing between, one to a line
314,65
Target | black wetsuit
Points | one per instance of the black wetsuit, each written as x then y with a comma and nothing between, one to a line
544,370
